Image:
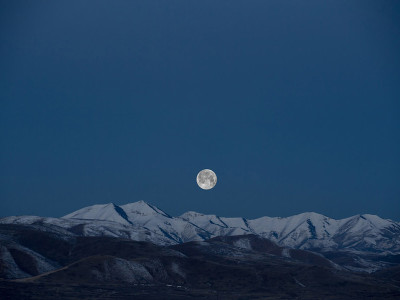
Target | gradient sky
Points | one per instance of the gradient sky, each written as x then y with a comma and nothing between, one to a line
294,104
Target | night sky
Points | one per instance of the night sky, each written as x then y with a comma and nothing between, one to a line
294,104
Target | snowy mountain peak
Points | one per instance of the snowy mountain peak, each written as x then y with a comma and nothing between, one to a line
108,212
375,220
190,214
124,214
142,208
315,217
366,223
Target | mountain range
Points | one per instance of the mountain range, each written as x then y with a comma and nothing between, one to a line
359,243
138,251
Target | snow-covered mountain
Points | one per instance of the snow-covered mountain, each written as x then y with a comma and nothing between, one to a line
107,212
310,230
142,221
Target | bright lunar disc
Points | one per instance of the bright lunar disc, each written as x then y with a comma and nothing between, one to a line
206,179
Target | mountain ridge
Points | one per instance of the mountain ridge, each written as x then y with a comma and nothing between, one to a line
307,230
144,203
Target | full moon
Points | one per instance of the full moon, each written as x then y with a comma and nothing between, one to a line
206,179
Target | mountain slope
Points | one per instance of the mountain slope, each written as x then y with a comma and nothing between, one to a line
237,267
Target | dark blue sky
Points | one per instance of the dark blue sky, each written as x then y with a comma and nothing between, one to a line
294,104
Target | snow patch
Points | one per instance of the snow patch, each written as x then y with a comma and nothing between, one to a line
243,243
298,282
177,269
286,252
